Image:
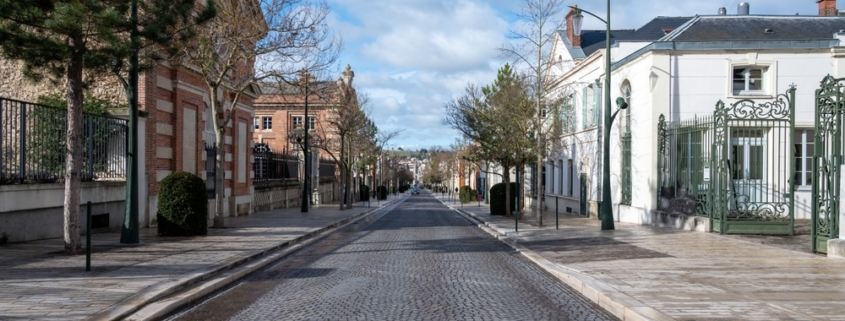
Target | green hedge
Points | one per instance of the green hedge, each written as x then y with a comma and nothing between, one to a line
467,194
404,188
182,205
381,192
497,198
365,193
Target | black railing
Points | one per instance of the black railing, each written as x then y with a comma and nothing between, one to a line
210,170
33,144
327,170
274,167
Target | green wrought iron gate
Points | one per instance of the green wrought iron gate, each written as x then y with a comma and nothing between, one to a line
752,185
827,159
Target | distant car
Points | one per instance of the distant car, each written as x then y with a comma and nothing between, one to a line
415,191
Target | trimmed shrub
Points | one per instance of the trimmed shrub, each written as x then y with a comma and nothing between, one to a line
467,194
381,192
182,205
365,193
404,188
497,198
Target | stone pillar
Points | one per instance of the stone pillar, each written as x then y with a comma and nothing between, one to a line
836,247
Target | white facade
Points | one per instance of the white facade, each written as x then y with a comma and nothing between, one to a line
680,84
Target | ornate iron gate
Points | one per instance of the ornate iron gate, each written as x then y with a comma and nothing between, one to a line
827,159
753,167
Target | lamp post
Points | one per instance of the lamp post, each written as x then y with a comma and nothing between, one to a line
605,210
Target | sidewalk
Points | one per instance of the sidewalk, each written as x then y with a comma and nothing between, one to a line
644,272
38,283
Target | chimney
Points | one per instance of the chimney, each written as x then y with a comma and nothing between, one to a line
827,7
743,9
573,39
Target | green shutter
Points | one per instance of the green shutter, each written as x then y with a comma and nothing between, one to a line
584,108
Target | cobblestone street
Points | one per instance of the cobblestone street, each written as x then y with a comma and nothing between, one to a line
420,261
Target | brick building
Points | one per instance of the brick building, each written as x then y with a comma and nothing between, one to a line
278,111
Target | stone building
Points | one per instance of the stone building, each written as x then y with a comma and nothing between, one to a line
174,128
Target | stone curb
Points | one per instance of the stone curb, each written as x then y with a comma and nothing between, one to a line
617,303
152,303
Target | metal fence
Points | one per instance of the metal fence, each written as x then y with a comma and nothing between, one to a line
210,170
274,167
685,149
33,144
328,170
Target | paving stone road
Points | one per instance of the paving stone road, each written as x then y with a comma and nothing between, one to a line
420,261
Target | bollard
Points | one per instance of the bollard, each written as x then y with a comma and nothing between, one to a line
516,221
88,240
557,221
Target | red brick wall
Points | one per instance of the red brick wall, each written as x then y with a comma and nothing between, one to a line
183,99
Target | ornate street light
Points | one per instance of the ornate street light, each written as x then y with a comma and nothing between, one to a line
606,209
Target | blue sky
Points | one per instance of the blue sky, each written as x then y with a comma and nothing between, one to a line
412,56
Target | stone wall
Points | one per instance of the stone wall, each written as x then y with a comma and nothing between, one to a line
15,86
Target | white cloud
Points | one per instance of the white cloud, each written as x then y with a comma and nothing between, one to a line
413,56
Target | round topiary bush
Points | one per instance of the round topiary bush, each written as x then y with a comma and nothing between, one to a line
381,192
467,194
365,193
182,205
497,198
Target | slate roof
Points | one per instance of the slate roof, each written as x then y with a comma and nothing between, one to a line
593,40
753,27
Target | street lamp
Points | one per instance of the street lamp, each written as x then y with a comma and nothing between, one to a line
605,210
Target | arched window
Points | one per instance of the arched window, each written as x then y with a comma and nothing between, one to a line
625,124
625,139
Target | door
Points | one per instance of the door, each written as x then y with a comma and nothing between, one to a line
748,165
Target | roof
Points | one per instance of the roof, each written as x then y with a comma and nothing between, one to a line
753,28
593,40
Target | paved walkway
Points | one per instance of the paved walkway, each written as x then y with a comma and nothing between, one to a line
663,273
36,282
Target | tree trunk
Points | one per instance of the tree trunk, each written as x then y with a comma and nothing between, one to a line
506,178
73,163
219,169
343,169
540,190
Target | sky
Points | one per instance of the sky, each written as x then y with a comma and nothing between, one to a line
413,56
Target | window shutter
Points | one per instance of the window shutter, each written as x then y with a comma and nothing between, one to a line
584,108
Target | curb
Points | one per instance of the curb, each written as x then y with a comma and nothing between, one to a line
153,302
617,303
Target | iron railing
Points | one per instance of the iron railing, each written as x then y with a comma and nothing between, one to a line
684,163
274,167
327,170
210,170
33,141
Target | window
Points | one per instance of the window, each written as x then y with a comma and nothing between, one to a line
296,122
255,123
267,122
588,111
568,117
625,123
804,141
571,178
749,80
747,151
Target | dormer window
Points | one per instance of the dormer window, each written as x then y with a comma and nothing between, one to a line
750,80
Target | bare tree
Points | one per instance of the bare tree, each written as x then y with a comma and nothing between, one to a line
251,41
345,119
531,49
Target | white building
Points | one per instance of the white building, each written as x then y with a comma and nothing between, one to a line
680,68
